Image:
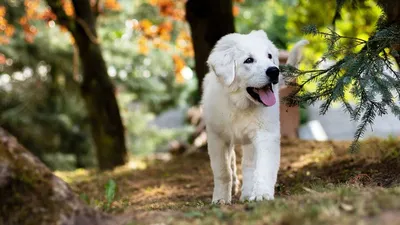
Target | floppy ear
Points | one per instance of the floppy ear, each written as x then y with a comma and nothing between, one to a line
222,58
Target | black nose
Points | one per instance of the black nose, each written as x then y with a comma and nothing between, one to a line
273,73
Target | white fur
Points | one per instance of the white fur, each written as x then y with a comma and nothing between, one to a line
233,117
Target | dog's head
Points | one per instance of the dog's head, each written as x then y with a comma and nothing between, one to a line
247,66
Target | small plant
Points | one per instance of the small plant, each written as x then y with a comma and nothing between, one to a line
110,189
84,197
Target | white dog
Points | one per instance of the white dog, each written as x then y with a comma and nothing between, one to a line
241,107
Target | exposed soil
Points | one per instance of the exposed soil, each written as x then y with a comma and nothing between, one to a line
170,188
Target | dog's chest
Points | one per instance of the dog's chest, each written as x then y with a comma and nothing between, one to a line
243,127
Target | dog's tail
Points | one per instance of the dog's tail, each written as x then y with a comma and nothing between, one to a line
295,54
294,59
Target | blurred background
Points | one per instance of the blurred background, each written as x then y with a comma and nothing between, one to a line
150,59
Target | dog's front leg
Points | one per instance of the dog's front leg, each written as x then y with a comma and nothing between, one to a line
220,156
248,168
260,167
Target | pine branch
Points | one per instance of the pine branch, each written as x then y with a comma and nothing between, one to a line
338,36
367,118
362,73
346,105
395,110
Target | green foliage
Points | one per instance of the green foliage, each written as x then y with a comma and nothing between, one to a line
270,16
45,110
48,120
147,83
148,76
194,214
303,115
40,102
356,19
110,190
142,138
363,68
61,161
43,107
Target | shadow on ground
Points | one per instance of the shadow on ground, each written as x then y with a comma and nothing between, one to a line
182,186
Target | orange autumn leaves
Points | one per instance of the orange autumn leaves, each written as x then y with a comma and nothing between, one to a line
29,31
179,64
236,8
34,11
110,5
158,36
171,35
106,4
31,13
170,8
6,29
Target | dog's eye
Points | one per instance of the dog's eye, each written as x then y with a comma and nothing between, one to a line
269,56
249,60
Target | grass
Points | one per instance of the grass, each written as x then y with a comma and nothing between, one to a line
319,183
340,205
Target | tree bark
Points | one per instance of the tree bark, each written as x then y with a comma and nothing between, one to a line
30,194
96,87
209,20
392,12
391,9
98,93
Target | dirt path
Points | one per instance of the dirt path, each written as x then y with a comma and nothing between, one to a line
183,185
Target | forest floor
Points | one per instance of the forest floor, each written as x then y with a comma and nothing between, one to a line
318,183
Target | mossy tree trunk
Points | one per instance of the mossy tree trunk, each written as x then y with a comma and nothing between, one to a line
96,87
30,194
209,20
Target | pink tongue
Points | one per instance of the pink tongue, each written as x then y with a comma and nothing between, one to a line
267,97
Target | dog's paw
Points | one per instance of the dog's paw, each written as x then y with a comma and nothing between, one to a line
221,202
257,198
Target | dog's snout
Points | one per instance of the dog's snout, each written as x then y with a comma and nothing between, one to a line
273,74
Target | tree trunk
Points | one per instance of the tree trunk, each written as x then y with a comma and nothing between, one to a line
96,88
209,20
392,11
98,93
30,194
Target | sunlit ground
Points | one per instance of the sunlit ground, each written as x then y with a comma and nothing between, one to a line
318,182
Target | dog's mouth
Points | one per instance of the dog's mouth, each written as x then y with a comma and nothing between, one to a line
265,95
